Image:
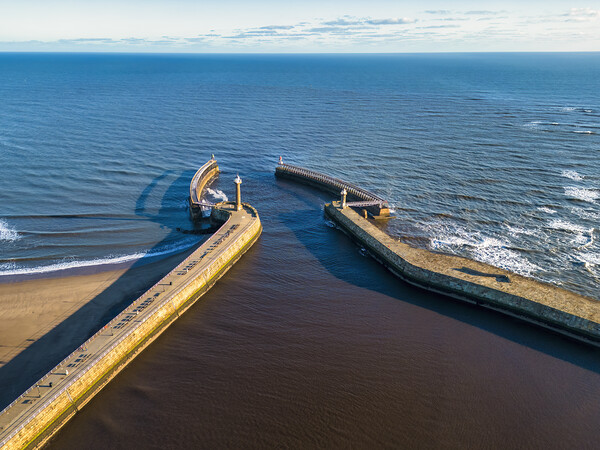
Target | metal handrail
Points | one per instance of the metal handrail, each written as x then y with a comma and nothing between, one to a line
336,182
365,203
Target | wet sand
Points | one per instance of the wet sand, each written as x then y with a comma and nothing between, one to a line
43,320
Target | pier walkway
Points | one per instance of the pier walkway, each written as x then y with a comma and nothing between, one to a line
48,404
543,304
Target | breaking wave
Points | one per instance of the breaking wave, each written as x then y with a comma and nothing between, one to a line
7,233
10,268
495,251
583,194
546,210
572,175
586,213
583,237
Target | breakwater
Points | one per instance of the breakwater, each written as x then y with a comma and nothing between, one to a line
368,201
203,176
461,278
33,417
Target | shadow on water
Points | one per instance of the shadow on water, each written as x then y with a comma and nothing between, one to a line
31,364
339,255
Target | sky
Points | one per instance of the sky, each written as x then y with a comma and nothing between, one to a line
285,26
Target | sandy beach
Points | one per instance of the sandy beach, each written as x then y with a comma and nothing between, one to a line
43,320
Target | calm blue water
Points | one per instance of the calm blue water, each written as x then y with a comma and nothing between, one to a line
491,156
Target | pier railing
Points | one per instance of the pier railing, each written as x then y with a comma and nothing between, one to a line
352,189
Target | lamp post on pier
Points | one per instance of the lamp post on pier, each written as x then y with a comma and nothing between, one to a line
238,193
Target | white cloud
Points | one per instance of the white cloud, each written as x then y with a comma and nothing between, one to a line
401,21
401,28
348,21
482,13
583,14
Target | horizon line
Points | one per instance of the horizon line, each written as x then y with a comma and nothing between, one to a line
125,52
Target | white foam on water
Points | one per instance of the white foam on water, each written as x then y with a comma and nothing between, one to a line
586,213
584,194
533,124
546,210
568,108
217,194
572,175
205,211
584,237
516,231
7,233
584,241
13,269
505,259
559,224
591,258
7,266
591,262
490,250
584,132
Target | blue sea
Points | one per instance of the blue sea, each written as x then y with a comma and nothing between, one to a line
307,343
489,156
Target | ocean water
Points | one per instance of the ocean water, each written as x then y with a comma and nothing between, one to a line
487,156
307,342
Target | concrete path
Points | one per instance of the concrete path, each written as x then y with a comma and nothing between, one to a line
56,382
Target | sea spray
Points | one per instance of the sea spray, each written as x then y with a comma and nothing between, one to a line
7,233
217,194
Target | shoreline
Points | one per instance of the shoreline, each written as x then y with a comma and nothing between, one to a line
43,318
93,269
30,420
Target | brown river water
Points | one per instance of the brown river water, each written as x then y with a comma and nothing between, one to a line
306,343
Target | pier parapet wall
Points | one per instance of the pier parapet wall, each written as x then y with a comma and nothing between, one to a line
374,204
203,176
544,304
33,417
